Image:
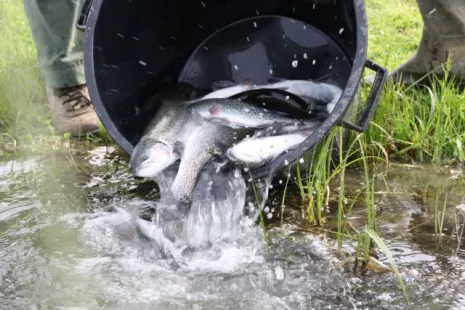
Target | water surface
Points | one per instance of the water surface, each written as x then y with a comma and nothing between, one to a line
76,232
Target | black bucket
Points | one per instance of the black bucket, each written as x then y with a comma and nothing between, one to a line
132,47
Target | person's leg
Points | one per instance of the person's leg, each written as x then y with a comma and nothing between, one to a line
443,38
59,48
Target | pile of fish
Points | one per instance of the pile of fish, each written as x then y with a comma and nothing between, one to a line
234,122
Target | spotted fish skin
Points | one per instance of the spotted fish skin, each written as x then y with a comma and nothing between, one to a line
156,150
204,143
236,113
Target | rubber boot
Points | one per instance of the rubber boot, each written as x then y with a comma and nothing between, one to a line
443,39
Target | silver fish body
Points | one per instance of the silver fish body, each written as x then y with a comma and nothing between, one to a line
256,151
309,90
157,149
203,144
226,91
236,113
326,93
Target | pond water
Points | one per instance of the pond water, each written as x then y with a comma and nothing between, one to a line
75,233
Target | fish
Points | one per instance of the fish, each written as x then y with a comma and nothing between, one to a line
236,113
257,151
226,91
158,147
206,142
322,93
313,92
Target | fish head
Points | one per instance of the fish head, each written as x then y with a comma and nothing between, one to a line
246,152
150,157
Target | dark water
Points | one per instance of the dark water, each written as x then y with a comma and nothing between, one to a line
75,234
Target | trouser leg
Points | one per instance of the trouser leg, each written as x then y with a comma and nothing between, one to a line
443,38
58,43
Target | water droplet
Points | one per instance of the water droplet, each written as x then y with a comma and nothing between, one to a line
301,160
120,35
246,169
200,26
260,114
250,180
295,63
286,162
236,67
314,61
256,11
271,186
203,4
247,38
248,136
173,37
271,71
337,57
142,62
295,56
280,181
266,210
330,67
314,5
341,30
246,110
305,56
272,209
136,38
287,97
205,48
269,215
255,24
293,9
305,26
210,183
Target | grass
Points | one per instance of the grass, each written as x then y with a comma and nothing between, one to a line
426,125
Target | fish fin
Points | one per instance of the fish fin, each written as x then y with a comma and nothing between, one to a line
217,85
274,79
247,81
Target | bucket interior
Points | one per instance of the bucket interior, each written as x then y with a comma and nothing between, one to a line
137,47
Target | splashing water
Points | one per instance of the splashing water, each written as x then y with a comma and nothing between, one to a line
94,246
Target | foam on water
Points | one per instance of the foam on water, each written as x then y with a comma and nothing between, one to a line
87,247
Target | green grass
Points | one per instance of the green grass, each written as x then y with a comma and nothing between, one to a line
22,101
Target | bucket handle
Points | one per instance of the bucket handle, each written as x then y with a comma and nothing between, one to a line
363,121
85,9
